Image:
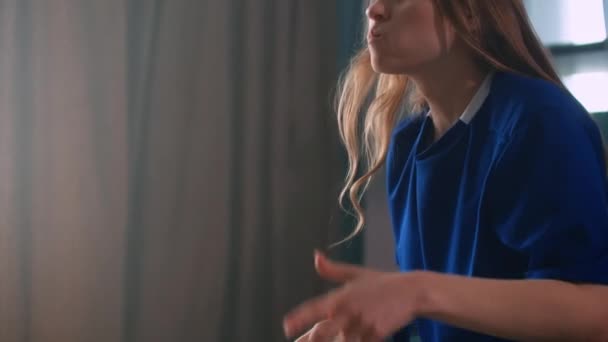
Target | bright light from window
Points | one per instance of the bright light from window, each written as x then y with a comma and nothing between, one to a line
591,89
568,22
583,21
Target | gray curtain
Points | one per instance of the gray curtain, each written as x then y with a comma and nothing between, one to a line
166,167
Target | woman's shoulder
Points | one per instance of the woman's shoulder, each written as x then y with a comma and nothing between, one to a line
521,103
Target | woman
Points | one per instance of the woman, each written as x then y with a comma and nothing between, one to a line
497,189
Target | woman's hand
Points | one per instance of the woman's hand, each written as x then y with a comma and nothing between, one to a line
370,306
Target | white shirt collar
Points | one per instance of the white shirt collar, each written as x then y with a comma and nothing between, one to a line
477,100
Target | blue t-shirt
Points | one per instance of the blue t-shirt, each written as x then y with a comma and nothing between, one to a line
518,190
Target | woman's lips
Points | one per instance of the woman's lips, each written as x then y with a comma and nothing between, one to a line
373,35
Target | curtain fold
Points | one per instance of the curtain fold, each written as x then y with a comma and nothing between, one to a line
64,166
166,167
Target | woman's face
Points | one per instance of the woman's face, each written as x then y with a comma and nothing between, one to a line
406,36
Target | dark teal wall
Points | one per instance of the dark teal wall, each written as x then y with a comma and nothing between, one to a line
350,25
602,121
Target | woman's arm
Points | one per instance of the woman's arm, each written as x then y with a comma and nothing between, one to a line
527,310
378,304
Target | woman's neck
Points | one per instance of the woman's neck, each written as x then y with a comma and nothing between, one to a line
448,88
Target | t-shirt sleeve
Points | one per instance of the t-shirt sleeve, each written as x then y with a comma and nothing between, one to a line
548,197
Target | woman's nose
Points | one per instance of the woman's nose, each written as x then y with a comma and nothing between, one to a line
376,10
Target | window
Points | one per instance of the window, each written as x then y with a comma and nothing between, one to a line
576,32
590,88
568,22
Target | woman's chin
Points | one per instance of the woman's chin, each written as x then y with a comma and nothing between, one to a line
384,66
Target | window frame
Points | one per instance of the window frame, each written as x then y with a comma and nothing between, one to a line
571,50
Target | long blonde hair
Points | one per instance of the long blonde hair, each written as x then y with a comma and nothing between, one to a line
369,104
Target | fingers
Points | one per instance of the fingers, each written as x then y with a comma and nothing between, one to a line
352,330
355,329
342,328
336,271
371,338
324,331
329,306
305,315
368,334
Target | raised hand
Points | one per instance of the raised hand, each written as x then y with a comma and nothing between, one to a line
369,306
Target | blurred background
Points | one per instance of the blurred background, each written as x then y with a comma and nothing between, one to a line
168,166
